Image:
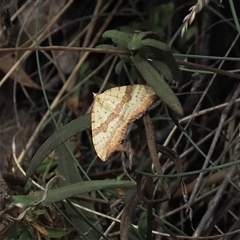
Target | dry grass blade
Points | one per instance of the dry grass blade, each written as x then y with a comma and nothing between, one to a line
18,75
194,10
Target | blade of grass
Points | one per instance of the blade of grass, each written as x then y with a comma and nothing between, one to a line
77,125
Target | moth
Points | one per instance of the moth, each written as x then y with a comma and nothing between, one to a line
113,110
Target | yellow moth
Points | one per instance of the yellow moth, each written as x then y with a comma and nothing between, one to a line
112,111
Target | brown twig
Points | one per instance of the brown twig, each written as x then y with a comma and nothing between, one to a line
153,148
208,68
177,161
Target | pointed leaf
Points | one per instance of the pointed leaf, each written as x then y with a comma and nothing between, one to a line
142,225
156,81
18,74
68,191
61,193
169,60
174,118
106,47
117,36
77,125
141,35
118,67
135,44
165,56
155,44
68,168
162,68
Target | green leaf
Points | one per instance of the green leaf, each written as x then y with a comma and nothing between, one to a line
61,193
24,200
156,81
12,232
174,118
164,56
133,234
56,233
68,168
168,59
141,35
77,125
135,44
142,225
45,164
118,67
25,235
106,47
67,165
155,44
163,69
117,37
68,191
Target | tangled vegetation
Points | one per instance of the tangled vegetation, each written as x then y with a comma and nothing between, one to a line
175,173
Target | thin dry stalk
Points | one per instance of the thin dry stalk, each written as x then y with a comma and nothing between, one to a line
69,80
